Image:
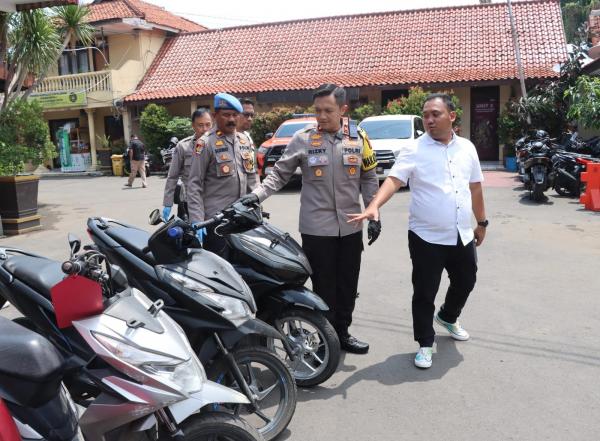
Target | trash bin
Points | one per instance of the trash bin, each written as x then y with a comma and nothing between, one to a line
117,165
510,163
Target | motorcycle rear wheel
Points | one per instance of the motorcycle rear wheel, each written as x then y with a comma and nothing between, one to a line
537,194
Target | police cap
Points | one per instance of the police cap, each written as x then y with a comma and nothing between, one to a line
224,101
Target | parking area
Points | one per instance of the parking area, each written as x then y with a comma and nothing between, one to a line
530,370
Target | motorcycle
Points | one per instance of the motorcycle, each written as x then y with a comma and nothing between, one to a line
203,293
275,267
167,153
139,377
536,165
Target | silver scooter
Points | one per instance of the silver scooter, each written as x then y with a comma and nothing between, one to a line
151,384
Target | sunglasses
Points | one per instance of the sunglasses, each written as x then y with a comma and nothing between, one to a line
248,114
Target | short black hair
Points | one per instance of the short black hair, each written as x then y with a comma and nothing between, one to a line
447,99
199,112
339,93
247,101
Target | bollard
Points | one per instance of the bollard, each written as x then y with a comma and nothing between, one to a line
591,198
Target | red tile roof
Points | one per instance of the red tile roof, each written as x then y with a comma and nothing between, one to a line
102,10
444,45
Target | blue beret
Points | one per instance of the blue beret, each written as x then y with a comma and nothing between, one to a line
225,101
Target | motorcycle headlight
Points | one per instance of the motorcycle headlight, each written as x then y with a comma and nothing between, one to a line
235,310
188,375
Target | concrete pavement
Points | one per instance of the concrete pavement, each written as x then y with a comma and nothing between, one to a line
530,370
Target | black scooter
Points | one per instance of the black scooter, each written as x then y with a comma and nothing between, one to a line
33,401
214,306
275,267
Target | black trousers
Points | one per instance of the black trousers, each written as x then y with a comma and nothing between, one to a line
335,262
429,261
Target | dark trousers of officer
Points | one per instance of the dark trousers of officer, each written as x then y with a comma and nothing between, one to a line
335,263
215,243
429,261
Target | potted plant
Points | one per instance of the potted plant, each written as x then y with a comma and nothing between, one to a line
24,140
104,150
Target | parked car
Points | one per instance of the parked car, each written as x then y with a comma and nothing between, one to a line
272,149
389,134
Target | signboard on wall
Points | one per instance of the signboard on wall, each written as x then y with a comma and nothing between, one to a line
60,99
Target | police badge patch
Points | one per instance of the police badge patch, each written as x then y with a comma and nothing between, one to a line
199,146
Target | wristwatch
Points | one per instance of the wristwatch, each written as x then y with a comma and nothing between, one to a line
484,223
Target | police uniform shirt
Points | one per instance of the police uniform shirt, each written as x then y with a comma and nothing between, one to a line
223,169
181,161
336,169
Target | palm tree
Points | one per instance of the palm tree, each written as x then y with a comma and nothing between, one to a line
72,26
29,44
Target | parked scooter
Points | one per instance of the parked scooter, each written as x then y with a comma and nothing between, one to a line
214,306
275,267
535,159
146,381
167,153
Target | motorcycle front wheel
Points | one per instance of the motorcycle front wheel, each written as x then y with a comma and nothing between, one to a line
218,426
314,342
269,379
537,193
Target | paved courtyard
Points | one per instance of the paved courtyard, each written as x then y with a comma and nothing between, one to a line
530,371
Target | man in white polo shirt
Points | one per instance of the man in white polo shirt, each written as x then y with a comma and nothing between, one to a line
445,181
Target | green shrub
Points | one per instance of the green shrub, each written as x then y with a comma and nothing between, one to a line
180,127
154,122
413,104
269,122
365,111
24,137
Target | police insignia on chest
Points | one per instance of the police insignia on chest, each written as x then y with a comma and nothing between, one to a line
224,156
352,170
199,146
249,166
219,142
225,168
318,172
242,141
219,133
246,155
316,136
316,143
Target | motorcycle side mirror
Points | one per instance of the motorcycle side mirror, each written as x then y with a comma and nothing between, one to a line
74,244
269,135
154,218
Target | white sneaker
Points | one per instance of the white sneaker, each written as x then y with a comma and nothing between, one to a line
456,331
423,358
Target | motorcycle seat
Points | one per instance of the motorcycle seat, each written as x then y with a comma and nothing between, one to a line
30,366
37,272
134,240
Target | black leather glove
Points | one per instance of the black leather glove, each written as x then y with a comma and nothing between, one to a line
373,230
248,199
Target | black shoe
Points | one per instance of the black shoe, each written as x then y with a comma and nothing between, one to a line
353,345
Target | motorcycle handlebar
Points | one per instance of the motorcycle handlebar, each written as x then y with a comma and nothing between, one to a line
73,267
216,218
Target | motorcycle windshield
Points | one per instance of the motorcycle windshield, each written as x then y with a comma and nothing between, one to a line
214,271
273,247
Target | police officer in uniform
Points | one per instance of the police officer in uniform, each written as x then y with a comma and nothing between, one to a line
181,162
223,169
246,118
337,166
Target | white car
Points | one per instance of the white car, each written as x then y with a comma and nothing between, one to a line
389,134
